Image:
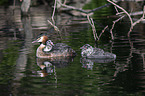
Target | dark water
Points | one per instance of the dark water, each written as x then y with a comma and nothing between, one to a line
22,74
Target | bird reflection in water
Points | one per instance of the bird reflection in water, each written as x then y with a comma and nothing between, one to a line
46,69
88,63
48,65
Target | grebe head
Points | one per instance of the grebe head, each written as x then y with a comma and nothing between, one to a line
42,39
86,50
86,46
48,47
49,42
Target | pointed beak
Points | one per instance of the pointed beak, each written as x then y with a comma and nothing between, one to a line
52,44
34,41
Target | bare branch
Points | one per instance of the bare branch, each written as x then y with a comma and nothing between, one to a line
116,9
53,13
114,22
64,2
136,13
91,22
71,7
55,27
140,18
98,8
81,10
122,10
93,27
103,31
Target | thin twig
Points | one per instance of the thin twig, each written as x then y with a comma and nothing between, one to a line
122,10
53,24
136,13
116,9
119,13
84,11
64,2
114,22
98,8
103,31
93,27
55,27
140,18
91,22
53,13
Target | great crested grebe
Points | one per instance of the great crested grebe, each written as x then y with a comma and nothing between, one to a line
47,49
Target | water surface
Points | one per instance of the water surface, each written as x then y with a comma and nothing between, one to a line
23,74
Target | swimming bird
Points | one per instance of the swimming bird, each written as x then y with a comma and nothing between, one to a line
89,52
47,49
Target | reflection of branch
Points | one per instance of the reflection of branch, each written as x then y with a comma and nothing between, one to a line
143,60
137,52
130,55
55,76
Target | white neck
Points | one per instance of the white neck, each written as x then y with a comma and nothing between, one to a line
42,45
